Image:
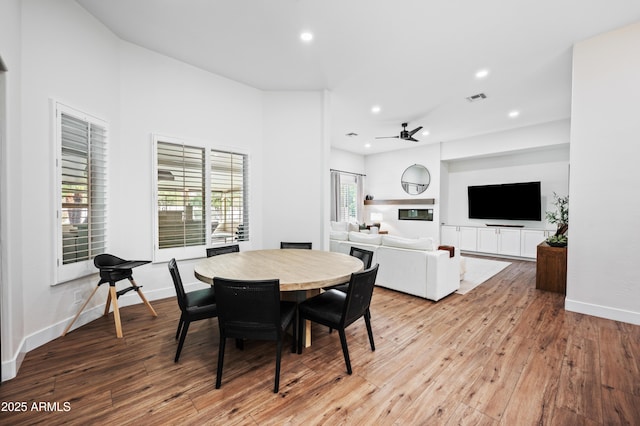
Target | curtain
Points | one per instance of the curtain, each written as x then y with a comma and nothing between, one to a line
360,198
335,195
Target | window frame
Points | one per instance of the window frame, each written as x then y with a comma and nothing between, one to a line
195,251
64,272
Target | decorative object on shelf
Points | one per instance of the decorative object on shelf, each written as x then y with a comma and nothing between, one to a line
560,217
425,201
415,179
368,197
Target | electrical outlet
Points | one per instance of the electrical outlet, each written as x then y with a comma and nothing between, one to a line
77,297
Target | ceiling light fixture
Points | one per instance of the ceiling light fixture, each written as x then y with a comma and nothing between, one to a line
483,73
425,133
367,145
375,109
514,114
306,36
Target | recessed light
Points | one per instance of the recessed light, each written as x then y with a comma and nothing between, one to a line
514,114
375,109
367,145
425,133
483,73
306,36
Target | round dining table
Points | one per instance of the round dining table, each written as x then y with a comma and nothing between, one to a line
302,273
297,269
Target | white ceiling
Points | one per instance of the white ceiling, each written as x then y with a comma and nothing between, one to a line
416,59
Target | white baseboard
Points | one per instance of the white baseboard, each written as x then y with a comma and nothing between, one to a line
602,311
10,367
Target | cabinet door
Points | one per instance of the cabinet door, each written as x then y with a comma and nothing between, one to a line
488,240
468,238
509,242
449,236
530,240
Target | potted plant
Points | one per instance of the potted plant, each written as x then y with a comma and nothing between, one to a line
560,217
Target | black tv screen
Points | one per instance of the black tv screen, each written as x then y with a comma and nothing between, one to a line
511,201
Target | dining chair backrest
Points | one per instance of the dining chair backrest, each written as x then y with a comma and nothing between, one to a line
248,309
295,245
359,295
215,251
365,255
177,283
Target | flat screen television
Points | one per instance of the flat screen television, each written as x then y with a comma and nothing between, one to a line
510,201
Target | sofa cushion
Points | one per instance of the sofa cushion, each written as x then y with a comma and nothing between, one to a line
339,235
359,237
408,243
339,226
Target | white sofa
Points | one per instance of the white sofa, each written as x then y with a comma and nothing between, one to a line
413,266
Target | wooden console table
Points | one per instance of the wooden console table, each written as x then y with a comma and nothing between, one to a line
551,268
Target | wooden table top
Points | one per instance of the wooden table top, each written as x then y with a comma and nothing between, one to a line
296,269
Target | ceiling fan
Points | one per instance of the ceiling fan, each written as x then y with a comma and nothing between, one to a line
404,134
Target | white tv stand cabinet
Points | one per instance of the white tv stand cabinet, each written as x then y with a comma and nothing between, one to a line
495,240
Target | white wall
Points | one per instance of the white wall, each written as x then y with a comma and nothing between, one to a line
383,182
549,166
346,161
68,56
165,96
11,298
604,243
539,136
296,168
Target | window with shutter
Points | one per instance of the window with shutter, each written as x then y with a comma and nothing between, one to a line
229,197
81,165
202,198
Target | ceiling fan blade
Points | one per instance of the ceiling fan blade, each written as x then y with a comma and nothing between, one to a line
412,139
387,137
414,131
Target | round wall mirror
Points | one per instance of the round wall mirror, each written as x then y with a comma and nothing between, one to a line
415,180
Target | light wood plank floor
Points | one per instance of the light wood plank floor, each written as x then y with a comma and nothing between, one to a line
503,354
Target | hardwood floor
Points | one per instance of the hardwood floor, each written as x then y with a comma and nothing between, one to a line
503,354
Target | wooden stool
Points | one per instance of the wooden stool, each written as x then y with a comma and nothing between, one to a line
112,270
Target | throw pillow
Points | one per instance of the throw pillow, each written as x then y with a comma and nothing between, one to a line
359,237
425,243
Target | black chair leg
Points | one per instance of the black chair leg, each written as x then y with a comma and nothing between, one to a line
180,323
183,335
220,361
345,349
276,386
367,321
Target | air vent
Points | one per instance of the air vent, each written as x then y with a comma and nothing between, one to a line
476,98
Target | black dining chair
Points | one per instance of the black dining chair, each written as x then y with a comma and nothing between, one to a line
194,305
253,310
215,251
293,245
366,256
339,310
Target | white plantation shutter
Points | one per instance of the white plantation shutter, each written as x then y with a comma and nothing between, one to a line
181,190
202,198
229,196
82,187
348,211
